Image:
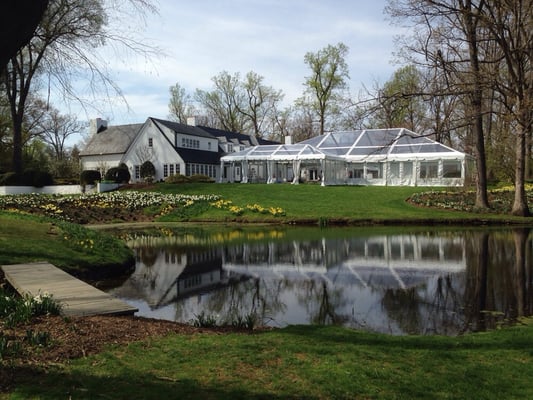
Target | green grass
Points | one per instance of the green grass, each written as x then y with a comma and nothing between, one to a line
72,247
298,363
292,363
314,203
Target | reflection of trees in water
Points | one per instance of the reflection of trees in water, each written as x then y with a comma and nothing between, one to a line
499,274
321,300
249,296
522,273
402,306
448,300
420,310
496,285
147,255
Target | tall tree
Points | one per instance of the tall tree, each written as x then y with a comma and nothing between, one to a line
57,128
180,104
65,23
511,25
261,103
63,44
400,101
448,35
241,105
225,101
329,72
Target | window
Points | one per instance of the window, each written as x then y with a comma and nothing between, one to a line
137,169
178,169
190,143
230,147
358,171
150,142
165,170
171,169
374,171
429,169
451,169
209,145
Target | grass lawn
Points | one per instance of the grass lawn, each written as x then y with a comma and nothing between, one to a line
315,203
298,363
293,363
72,247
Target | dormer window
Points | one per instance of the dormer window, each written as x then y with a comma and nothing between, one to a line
230,147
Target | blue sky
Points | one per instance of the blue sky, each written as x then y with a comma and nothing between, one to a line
199,39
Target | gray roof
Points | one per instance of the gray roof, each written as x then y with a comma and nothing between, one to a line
183,128
112,140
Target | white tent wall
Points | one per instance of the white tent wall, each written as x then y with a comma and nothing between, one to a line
433,164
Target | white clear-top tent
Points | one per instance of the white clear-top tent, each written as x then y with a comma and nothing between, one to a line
395,157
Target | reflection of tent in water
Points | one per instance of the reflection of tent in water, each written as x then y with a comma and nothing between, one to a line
381,261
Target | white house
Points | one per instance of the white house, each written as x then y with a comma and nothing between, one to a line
172,148
395,157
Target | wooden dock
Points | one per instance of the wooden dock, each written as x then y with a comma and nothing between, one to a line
77,298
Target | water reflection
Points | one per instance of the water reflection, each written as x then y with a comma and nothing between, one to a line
399,283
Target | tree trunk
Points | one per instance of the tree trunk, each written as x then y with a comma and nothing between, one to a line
476,100
520,206
482,200
16,162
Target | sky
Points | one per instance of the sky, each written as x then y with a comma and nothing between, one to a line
197,40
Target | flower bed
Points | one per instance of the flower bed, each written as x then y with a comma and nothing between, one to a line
124,206
500,200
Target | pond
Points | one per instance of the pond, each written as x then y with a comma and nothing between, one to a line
391,280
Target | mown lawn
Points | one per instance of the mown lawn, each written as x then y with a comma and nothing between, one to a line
342,203
298,363
292,363
76,249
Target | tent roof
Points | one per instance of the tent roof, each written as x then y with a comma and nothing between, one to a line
379,142
351,145
299,151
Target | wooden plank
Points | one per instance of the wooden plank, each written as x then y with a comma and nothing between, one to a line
76,297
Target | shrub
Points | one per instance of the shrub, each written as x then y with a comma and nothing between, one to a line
177,178
38,178
89,177
30,177
118,174
201,178
8,179
147,171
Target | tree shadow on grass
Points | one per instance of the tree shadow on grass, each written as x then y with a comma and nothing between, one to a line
53,383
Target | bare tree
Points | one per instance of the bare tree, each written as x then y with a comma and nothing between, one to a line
63,45
57,128
225,101
448,35
261,103
511,25
241,105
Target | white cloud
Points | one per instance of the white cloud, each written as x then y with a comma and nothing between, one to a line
204,37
